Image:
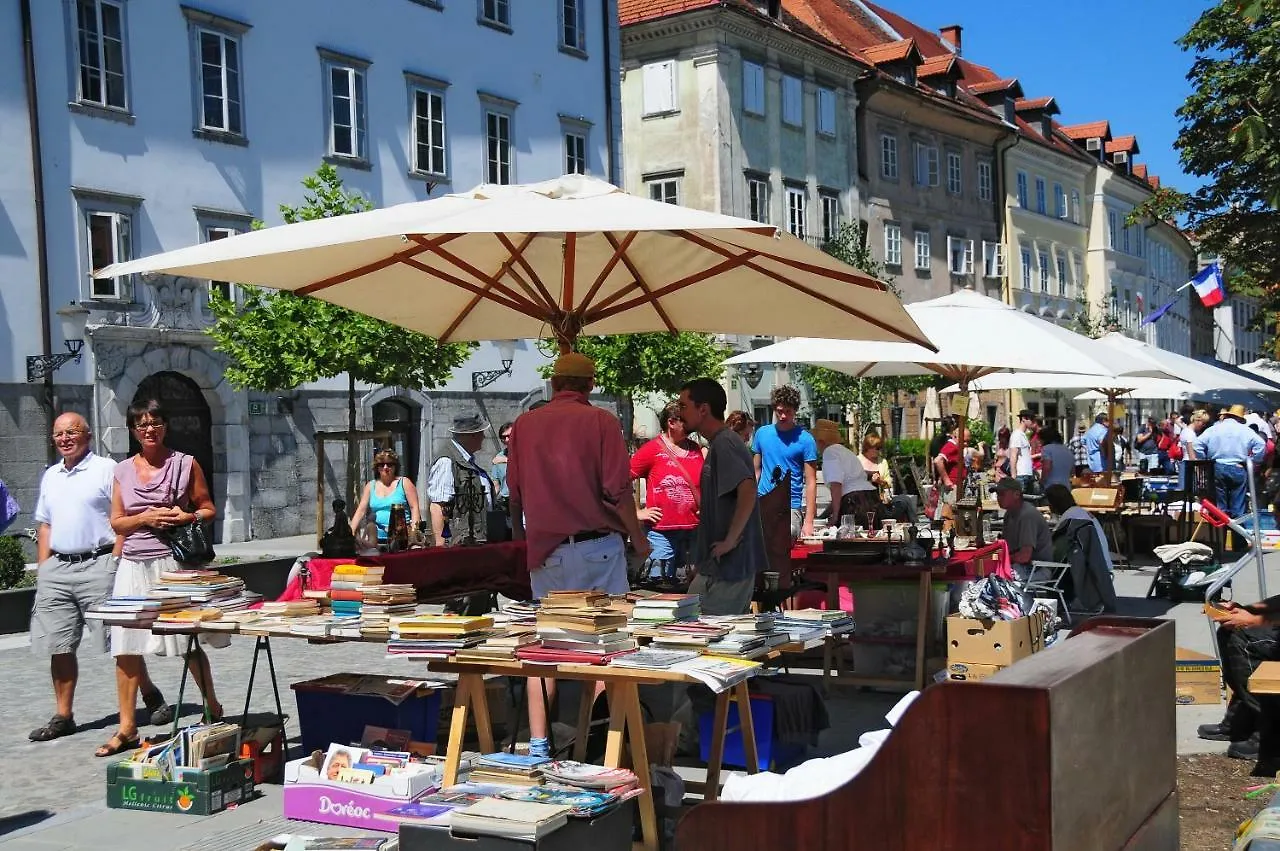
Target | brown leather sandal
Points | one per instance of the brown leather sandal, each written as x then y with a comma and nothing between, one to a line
118,744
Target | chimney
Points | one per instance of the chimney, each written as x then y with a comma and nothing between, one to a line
951,35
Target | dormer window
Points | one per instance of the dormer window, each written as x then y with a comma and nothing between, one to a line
903,72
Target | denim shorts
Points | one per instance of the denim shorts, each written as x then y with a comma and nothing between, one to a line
599,564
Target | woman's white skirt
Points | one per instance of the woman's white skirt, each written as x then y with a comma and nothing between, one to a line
137,579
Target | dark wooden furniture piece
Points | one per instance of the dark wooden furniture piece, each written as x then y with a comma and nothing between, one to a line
1070,749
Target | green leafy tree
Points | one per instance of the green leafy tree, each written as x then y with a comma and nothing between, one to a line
864,396
630,365
278,340
1230,137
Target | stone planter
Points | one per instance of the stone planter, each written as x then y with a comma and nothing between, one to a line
15,610
265,576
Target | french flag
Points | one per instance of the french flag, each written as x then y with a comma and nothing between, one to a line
1208,285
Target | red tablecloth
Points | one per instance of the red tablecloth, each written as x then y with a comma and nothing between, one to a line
438,573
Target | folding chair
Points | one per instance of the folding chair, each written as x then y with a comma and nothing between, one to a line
1050,586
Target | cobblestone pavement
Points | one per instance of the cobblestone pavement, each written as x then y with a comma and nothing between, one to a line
63,774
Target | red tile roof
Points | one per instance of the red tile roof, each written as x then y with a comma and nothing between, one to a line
937,66
989,86
1129,144
840,21
635,11
1033,104
894,51
1092,130
1140,171
1153,182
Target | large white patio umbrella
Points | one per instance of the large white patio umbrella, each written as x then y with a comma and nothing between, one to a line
569,256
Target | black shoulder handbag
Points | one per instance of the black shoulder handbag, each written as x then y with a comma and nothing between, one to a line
190,543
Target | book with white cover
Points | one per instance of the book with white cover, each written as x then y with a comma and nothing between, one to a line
512,819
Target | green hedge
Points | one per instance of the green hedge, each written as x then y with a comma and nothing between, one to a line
13,563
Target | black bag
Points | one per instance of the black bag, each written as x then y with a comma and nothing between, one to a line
191,543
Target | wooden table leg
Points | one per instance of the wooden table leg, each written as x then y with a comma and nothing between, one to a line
743,698
480,708
585,703
640,765
616,737
922,625
458,726
718,731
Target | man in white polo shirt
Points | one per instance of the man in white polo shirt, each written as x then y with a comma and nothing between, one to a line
77,553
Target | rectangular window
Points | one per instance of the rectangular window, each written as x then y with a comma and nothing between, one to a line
1125,232
666,190
1022,189
889,157
826,112
753,88
110,240
428,132
213,233
830,217
1077,270
1026,268
892,244
792,101
1043,257
659,82
1140,240
1059,201
497,147
923,254
797,211
219,82
1075,206
575,153
926,165
960,255
992,260
984,181
347,121
1062,276
100,42
573,24
955,181
1113,224
496,12
758,199
1040,196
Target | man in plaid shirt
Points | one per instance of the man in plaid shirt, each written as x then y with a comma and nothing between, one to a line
1079,451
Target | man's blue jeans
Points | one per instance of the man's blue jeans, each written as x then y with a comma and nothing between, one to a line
1229,479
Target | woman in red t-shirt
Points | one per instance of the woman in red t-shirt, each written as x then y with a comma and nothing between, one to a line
671,465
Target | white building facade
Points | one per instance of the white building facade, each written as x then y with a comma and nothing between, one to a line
159,124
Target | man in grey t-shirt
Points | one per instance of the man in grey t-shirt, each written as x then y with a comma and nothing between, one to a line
1025,530
730,546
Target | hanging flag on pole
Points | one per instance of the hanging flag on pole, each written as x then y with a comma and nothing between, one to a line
1164,308
1208,285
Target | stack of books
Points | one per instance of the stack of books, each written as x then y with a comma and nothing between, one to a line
687,635
291,608
598,778
436,636
808,624
582,803
197,748
348,586
184,619
749,636
661,608
518,613
390,599
583,634
521,820
203,586
509,769
654,659
501,648
135,612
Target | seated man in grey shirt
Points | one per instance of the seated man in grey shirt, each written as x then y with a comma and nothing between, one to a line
1025,529
730,546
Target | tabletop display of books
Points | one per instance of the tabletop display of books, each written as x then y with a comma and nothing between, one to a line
808,624
200,747
507,769
291,608
582,775
200,585
135,611
666,607
430,636
500,648
523,820
654,659
362,765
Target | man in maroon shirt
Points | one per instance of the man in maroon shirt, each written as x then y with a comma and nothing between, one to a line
569,477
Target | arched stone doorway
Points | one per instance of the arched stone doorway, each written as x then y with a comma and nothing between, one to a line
190,420
403,420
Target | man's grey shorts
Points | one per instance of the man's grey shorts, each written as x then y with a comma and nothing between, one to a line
722,596
64,590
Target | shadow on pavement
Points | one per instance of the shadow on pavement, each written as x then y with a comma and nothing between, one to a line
22,820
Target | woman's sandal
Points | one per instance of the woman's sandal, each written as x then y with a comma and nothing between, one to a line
161,712
118,744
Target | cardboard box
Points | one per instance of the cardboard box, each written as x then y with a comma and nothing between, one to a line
1197,678
202,793
1265,679
970,672
991,642
309,796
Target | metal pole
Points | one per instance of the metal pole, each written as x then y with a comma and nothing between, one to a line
1257,529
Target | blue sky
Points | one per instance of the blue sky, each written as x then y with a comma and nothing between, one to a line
1117,62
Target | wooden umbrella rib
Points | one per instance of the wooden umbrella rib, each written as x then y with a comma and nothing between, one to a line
639,279
518,305
507,269
502,270
476,273
615,296
518,256
618,250
650,297
567,263
421,244
537,282
864,281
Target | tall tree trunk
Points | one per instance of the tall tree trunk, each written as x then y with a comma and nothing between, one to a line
627,414
353,447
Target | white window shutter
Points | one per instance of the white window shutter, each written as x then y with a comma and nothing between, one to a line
659,87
